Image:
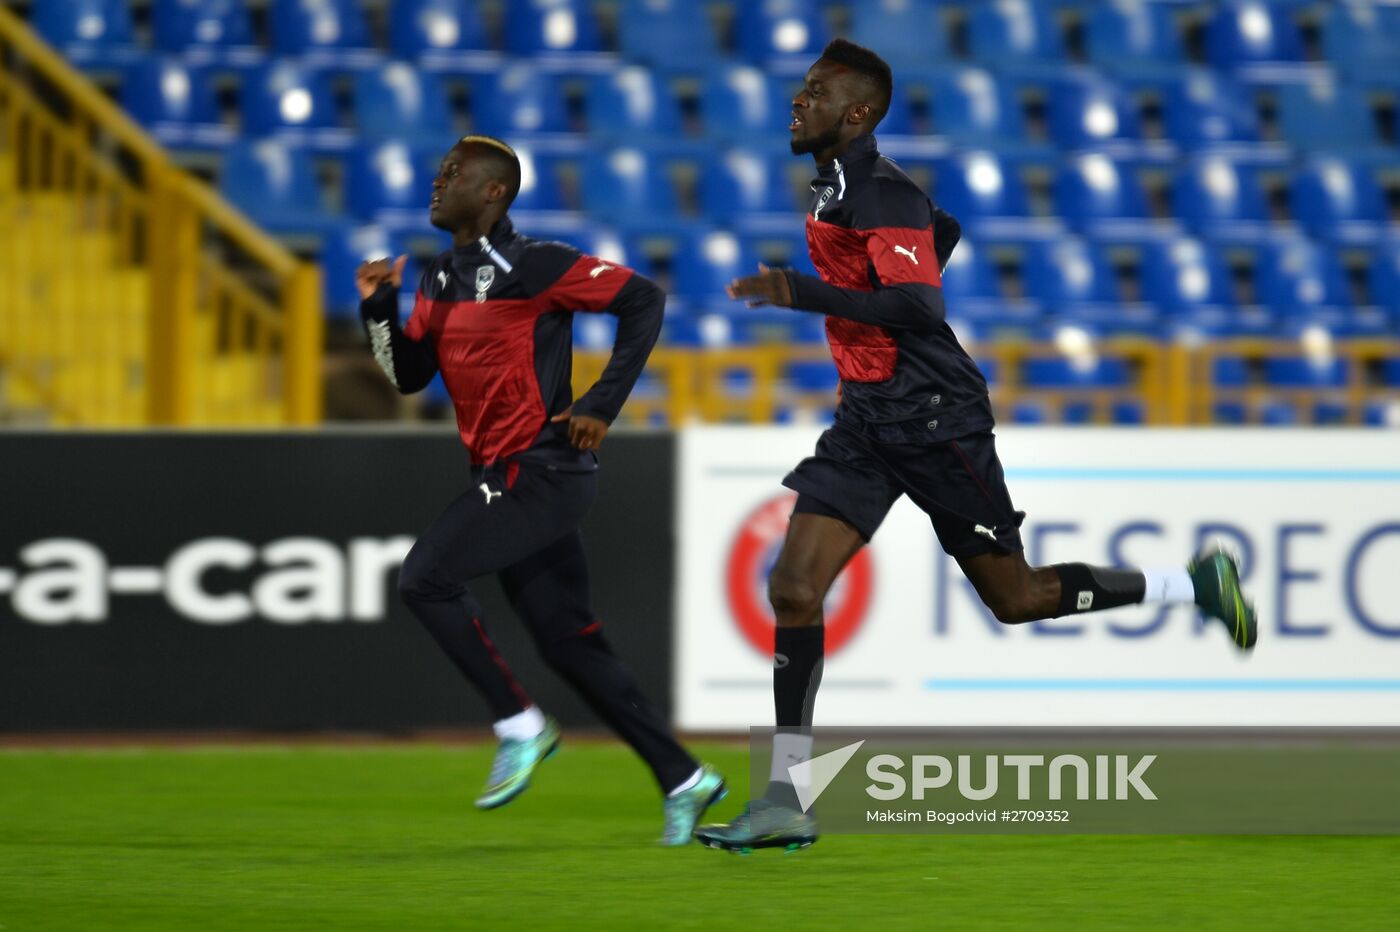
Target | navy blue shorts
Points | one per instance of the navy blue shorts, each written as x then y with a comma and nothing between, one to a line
958,483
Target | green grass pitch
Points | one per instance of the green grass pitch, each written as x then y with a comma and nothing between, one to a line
385,837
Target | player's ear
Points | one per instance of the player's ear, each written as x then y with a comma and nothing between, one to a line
858,113
495,191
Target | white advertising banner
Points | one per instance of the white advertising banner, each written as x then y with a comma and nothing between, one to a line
1314,516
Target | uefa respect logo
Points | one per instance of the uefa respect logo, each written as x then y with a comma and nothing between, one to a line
752,553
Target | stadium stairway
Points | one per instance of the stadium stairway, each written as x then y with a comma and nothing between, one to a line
130,294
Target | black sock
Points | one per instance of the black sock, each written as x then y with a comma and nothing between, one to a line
1085,588
798,656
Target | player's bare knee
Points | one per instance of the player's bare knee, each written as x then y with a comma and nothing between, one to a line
794,598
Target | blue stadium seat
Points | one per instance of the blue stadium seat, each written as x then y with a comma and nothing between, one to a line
1092,188
1323,114
534,27
973,107
606,244
899,119
322,32
906,32
628,187
1133,32
1338,199
520,99
390,183
595,332
1183,276
969,275
813,375
175,102
89,33
667,34
737,184
1008,32
275,184
401,101
287,98
704,265
976,184
1128,413
780,248
540,184
1304,372
436,32
1205,108
205,30
1229,372
1090,113
741,103
1068,272
1362,33
1029,412
1381,414
973,293
1297,277
1243,32
1384,278
769,326
1218,198
1091,372
341,253
768,29
1278,412
631,101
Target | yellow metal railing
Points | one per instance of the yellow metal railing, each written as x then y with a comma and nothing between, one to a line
130,293
1172,383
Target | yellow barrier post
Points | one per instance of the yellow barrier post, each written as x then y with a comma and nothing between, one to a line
301,363
173,253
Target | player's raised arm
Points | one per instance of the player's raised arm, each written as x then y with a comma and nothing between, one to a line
409,364
906,284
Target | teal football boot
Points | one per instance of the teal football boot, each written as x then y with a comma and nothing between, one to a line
762,824
1216,579
685,808
514,764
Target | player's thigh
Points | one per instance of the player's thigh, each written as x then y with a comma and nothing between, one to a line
549,589
850,480
960,485
475,536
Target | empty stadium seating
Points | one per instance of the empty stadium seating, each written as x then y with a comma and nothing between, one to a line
1224,166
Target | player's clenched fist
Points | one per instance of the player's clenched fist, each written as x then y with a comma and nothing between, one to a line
769,286
370,275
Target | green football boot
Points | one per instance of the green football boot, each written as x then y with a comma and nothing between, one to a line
762,824
685,809
515,762
1216,579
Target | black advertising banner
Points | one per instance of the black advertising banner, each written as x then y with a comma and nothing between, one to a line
247,581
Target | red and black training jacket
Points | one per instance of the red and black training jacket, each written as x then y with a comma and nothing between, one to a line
879,246
496,319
